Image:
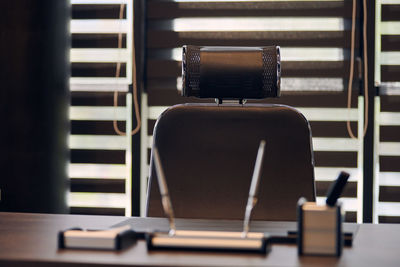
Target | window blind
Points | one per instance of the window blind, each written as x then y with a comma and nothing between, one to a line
100,168
387,115
315,39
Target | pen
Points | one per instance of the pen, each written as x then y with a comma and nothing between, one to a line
335,190
255,180
166,200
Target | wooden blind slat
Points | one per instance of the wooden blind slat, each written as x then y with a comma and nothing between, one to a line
389,164
389,193
161,97
97,156
170,39
170,68
96,99
349,191
390,43
391,12
96,11
98,185
390,73
106,40
97,211
168,9
335,159
390,133
95,127
96,69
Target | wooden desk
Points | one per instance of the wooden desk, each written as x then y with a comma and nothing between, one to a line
31,240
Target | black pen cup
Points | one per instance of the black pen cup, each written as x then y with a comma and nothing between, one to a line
319,229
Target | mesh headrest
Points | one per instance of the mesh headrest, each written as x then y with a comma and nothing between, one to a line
231,72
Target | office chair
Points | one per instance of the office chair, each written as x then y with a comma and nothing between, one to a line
208,150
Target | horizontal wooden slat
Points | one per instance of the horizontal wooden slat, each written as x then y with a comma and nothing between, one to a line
96,99
348,204
390,73
98,87
96,11
389,149
350,216
106,171
99,55
389,164
100,142
329,174
169,9
170,39
389,178
335,159
390,58
311,114
171,97
97,211
330,114
318,128
389,118
295,84
91,2
163,68
97,185
321,144
390,12
389,88
390,27
389,219
250,24
97,156
389,193
101,84
389,208
390,42
390,103
335,144
315,69
99,26
331,128
95,127
158,95
97,69
389,133
99,200
167,68
82,40
287,54
97,113
349,191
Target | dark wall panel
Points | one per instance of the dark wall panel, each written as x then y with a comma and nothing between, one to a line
34,72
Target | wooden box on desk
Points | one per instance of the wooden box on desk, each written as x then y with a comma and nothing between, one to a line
320,229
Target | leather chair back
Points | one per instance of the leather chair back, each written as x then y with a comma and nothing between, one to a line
208,153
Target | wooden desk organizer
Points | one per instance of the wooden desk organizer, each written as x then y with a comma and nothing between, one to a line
209,241
319,228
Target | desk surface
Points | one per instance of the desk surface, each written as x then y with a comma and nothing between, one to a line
31,240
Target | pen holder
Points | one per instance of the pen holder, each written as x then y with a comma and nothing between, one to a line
319,229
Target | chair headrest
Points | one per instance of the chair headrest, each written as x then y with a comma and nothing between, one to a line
231,72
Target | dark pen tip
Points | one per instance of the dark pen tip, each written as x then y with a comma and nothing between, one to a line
335,190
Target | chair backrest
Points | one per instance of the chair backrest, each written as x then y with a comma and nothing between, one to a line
208,153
